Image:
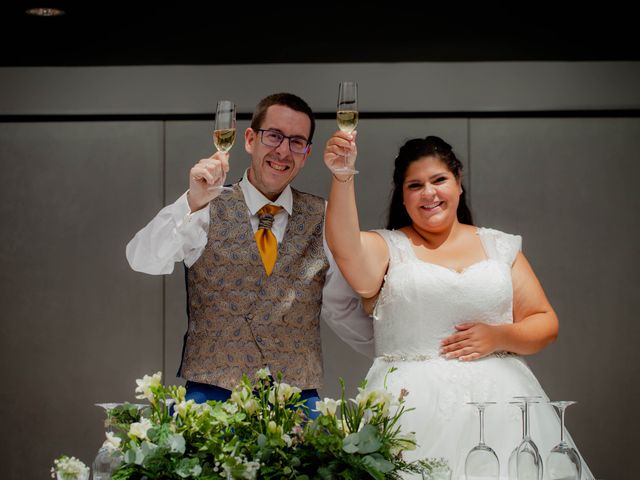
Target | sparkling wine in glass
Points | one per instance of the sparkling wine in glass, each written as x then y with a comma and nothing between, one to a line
525,462
482,461
347,117
224,132
563,462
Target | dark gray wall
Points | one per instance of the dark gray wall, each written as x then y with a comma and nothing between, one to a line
79,326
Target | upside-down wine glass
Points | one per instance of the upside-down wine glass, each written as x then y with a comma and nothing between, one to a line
347,117
563,462
482,462
525,462
224,132
107,459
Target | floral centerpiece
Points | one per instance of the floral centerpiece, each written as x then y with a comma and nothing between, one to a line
261,432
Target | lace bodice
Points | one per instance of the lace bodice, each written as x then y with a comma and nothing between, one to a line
421,302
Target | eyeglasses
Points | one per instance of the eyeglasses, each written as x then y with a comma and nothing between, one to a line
273,139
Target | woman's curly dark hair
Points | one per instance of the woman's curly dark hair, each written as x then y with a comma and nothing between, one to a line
414,150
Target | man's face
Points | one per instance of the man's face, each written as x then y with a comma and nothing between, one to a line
273,168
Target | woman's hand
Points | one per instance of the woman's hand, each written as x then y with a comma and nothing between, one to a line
341,151
473,340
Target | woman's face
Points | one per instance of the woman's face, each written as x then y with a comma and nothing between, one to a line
431,194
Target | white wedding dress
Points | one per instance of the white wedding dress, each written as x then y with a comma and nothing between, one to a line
418,306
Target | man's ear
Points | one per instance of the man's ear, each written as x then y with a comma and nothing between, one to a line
250,137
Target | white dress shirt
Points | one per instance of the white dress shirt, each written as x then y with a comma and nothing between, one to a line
177,235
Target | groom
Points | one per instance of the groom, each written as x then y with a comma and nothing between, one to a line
259,273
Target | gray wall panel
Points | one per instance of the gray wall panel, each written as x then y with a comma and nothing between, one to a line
78,325
422,87
569,187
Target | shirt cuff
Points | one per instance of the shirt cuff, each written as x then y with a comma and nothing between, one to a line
184,217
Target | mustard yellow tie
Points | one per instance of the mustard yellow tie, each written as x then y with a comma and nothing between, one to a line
266,240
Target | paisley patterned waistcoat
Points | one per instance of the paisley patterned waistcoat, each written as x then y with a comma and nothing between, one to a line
240,319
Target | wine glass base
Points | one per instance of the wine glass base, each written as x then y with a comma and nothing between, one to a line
220,189
344,171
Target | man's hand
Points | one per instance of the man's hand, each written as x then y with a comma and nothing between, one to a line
205,175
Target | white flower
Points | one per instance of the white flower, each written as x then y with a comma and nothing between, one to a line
240,395
272,427
251,471
182,408
404,442
145,384
385,399
328,406
230,408
263,373
70,467
284,393
139,429
372,398
243,398
180,393
112,442
289,391
250,406
201,409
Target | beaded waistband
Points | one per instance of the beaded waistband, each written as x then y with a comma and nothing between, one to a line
407,358
423,357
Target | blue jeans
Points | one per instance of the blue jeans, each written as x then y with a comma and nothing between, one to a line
201,392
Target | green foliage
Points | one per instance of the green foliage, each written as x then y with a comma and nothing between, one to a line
262,432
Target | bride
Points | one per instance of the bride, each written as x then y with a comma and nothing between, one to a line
456,306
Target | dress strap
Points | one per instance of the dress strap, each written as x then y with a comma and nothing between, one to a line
499,245
399,247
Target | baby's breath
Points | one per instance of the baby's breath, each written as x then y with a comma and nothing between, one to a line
69,468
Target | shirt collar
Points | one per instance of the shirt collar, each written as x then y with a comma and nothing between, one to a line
256,200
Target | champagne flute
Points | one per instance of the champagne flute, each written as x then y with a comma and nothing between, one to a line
347,117
525,462
513,458
482,461
563,462
224,132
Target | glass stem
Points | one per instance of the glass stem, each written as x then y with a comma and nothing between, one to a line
561,424
481,410
526,420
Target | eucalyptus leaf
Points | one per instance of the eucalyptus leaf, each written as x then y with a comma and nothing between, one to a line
378,462
369,441
134,455
350,442
188,467
176,443
365,441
